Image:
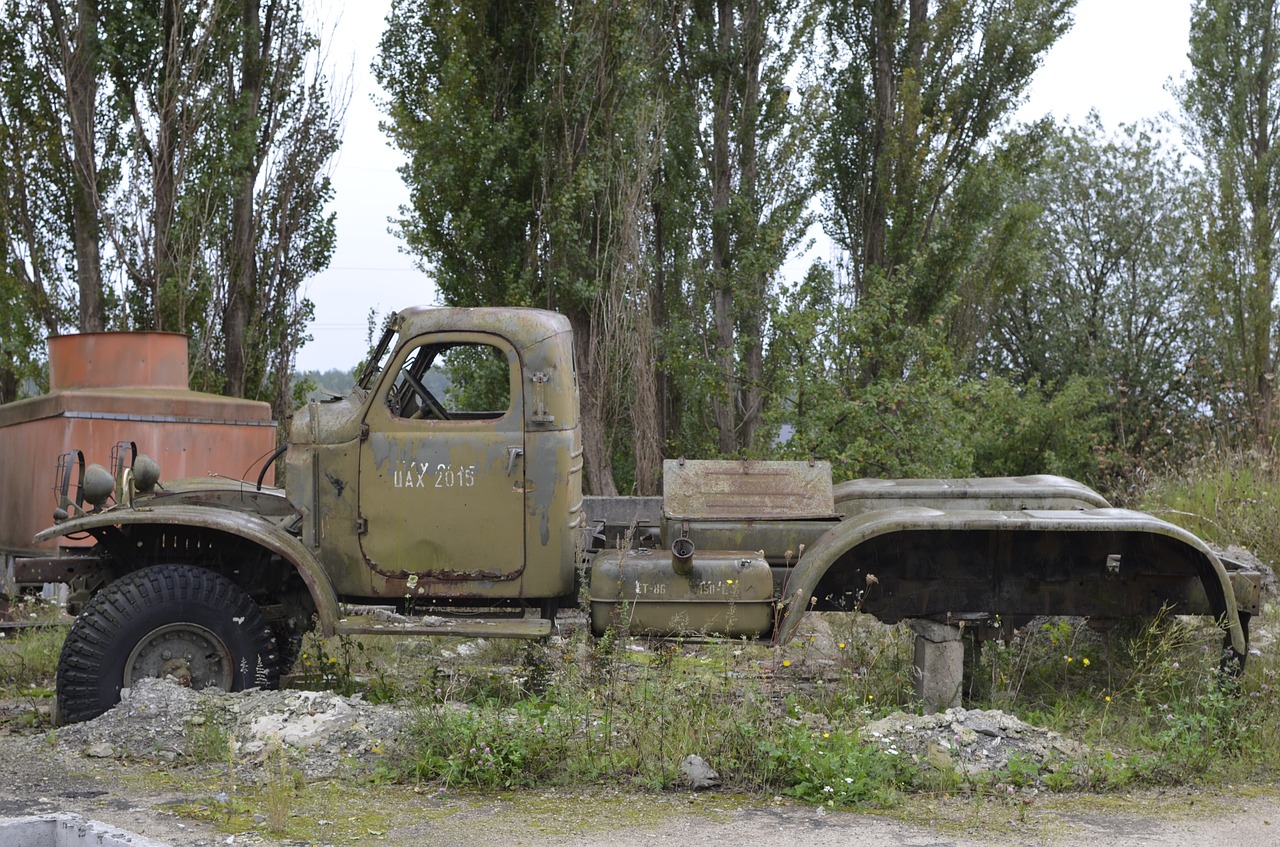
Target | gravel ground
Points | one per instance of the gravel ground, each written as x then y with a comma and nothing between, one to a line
43,778
135,767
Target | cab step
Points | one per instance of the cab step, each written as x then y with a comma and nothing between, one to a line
452,627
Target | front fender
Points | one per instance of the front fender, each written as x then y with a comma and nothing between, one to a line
919,562
249,526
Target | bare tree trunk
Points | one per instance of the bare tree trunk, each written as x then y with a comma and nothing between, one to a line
883,90
243,235
646,415
597,461
1260,298
722,303
663,421
752,321
80,64
1262,235
164,178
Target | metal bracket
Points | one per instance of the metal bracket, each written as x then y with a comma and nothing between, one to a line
539,413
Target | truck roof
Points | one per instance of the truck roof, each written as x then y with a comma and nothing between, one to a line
517,323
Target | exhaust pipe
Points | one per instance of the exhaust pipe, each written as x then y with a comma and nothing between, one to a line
682,556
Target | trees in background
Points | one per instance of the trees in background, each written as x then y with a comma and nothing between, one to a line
1232,104
167,170
51,270
1111,292
1001,299
647,169
916,91
530,131
633,165
907,161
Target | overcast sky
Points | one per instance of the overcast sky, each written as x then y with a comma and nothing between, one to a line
1118,59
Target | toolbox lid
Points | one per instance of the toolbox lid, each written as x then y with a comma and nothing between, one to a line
747,490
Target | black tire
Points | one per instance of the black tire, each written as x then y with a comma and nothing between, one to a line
165,620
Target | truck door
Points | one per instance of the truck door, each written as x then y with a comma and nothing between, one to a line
442,472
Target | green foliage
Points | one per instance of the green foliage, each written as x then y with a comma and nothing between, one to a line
637,170
37,281
207,737
457,747
913,92
1230,94
347,666
834,768
194,142
480,378
1109,295
29,658
1150,697
316,385
1026,430
866,425
464,95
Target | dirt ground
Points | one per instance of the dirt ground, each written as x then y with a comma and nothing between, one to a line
41,779
89,771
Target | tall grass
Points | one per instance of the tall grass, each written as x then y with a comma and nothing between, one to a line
29,660
1225,498
627,712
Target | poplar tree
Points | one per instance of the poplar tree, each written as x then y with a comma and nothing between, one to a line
1232,104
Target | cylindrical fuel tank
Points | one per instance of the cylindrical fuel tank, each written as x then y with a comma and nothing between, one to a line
639,591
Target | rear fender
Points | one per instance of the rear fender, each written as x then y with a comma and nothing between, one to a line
258,530
1102,563
992,494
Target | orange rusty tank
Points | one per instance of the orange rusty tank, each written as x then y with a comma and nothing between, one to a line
109,387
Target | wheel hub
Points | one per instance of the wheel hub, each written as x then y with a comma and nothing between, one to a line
191,654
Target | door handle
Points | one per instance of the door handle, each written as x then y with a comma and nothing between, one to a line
512,452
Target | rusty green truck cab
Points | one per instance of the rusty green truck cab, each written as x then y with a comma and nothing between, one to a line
405,493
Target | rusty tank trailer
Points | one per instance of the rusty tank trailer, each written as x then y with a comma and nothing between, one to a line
450,479
112,392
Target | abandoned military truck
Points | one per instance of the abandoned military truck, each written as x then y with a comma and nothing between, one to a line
449,485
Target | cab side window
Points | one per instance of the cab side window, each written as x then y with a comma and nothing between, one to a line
452,381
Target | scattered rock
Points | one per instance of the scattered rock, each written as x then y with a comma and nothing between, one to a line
699,774
971,742
158,720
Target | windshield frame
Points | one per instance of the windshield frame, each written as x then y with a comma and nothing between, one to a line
373,366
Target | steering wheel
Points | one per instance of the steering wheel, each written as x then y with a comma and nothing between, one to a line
430,405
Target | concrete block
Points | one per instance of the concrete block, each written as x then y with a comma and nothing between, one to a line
938,675
67,830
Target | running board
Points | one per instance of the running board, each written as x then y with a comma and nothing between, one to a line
455,628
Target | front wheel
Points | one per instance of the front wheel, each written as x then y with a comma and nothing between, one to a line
167,620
